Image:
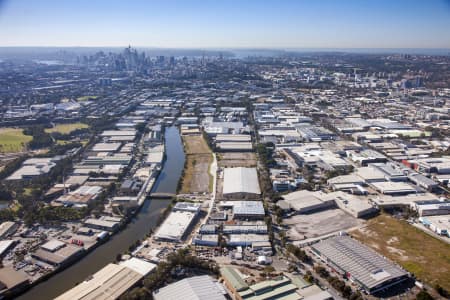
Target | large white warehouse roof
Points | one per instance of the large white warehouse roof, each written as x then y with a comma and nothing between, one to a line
192,288
241,180
175,226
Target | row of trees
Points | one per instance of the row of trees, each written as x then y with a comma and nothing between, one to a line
12,167
60,149
298,253
41,139
265,156
68,136
7,215
441,291
338,284
5,193
265,152
49,214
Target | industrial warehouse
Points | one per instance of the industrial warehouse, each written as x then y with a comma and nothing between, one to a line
111,281
178,222
197,287
241,182
359,263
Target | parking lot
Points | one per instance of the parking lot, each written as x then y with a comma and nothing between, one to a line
320,223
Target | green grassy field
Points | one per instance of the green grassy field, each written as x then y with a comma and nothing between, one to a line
13,140
86,98
66,128
27,191
419,253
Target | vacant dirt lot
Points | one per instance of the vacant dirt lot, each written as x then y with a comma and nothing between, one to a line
196,177
428,258
319,223
237,159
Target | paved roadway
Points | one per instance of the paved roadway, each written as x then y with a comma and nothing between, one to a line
213,172
432,233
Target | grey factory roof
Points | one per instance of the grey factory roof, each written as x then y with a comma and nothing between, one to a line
138,265
187,206
76,179
193,288
53,245
106,147
391,187
155,157
5,245
88,190
233,138
255,228
241,180
420,179
389,169
33,167
248,208
387,200
119,133
59,256
108,283
314,132
442,164
235,145
208,228
102,223
441,222
351,178
358,122
11,278
175,225
304,200
7,228
370,174
246,239
353,205
362,263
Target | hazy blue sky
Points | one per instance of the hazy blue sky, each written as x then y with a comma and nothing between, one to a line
227,23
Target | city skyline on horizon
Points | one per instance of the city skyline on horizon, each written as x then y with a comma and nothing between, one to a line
285,25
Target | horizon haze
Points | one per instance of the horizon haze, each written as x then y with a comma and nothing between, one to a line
219,25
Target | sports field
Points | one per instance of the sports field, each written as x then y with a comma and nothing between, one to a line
13,140
66,128
86,98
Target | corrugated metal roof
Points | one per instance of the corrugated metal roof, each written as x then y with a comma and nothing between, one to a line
248,208
194,288
241,180
362,263
233,278
108,283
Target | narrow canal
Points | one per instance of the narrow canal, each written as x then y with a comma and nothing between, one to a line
119,243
